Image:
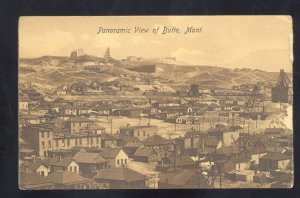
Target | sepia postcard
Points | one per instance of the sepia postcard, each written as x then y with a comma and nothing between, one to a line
155,102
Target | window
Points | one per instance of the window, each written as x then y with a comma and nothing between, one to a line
56,142
118,162
79,124
88,140
71,168
97,140
63,143
43,144
125,161
76,141
80,141
42,134
75,169
49,144
121,161
144,133
138,133
68,142
92,141
73,124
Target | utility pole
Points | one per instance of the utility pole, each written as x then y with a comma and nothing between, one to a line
150,111
111,122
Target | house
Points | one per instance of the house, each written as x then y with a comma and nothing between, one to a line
78,124
273,132
32,119
274,161
33,181
59,163
128,112
121,178
89,163
140,132
226,152
24,103
241,175
35,167
116,156
69,180
208,145
156,141
228,136
167,163
146,155
131,147
108,140
78,88
123,139
183,179
96,129
60,91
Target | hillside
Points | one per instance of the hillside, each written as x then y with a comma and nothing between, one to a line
57,70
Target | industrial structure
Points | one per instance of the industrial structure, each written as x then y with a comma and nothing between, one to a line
283,92
107,54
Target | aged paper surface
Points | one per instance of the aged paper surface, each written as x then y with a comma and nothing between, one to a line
155,102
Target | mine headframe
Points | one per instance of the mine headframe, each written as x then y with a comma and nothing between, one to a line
283,92
255,104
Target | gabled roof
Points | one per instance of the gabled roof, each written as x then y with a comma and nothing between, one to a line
64,162
126,138
32,178
143,152
88,158
275,156
33,166
110,153
157,140
66,177
181,177
120,174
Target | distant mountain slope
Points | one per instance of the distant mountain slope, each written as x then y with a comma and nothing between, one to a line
273,59
57,70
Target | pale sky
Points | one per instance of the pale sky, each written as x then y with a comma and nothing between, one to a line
261,42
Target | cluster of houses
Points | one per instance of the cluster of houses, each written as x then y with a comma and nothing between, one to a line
61,147
78,154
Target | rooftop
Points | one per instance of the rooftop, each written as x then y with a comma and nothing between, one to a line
120,174
88,158
66,178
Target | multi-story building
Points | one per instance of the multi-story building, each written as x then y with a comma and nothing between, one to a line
78,124
140,132
42,139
